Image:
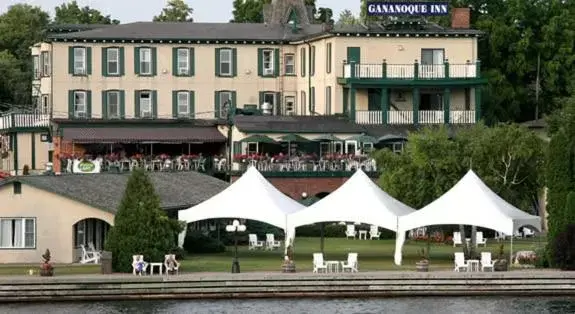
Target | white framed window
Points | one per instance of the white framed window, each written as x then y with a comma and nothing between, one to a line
37,72
79,60
18,233
45,105
226,62
289,105
268,61
397,147
183,103
46,63
183,61
81,233
289,64
225,100
113,108
145,104
328,100
302,103
146,61
80,104
324,148
252,148
113,59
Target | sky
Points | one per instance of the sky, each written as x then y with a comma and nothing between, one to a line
132,11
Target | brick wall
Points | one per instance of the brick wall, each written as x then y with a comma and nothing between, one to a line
64,147
460,18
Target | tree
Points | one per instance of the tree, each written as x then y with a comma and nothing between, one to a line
346,17
13,86
249,11
140,226
175,11
71,13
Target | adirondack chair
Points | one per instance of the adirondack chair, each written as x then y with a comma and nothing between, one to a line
457,239
374,232
318,263
89,256
350,232
139,266
486,262
479,239
171,264
351,263
271,243
460,263
254,244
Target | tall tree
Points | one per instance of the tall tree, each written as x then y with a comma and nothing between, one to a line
249,11
175,11
346,17
14,83
72,13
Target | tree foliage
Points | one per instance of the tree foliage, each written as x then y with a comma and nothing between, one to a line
346,17
175,11
140,226
72,13
251,11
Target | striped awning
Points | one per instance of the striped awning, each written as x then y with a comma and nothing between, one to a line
143,135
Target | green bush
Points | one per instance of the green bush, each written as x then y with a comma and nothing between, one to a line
140,225
564,249
198,243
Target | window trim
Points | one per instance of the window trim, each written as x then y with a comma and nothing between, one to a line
151,103
248,147
288,99
84,68
303,103
45,64
328,58
109,60
142,61
37,66
432,50
271,66
188,103
118,113
221,103
187,58
328,100
302,58
312,61
230,62
46,105
34,235
85,104
293,65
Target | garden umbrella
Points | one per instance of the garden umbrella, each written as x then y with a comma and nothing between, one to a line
328,138
289,138
363,139
257,138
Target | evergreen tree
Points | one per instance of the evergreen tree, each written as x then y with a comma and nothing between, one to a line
140,225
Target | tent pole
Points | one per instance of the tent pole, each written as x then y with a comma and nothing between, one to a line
511,251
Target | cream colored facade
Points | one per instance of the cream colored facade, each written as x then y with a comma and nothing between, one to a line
54,218
32,151
247,85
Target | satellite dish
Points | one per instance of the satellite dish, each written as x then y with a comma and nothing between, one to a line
267,108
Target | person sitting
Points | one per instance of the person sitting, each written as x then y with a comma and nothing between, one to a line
171,264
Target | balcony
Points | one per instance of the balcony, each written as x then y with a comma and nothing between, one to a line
407,117
24,120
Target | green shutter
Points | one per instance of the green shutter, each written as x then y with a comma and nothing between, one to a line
137,103
192,62
88,60
261,100
154,104
88,104
234,105
218,61
122,58
70,104
276,62
104,61
217,104
237,148
234,62
104,104
71,60
136,60
154,61
303,61
279,104
175,61
260,62
175,103
192,104
122,104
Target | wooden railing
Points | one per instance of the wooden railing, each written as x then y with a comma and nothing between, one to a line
411,71
24,120
407,117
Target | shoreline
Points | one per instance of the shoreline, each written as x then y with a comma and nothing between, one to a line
277,285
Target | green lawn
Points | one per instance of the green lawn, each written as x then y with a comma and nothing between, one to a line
373,255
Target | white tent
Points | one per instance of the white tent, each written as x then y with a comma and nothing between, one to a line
250,197
358,199
469,202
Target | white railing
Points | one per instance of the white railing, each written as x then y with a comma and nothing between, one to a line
406,117
462,116
431,116
463,70
368,117
400,71
407,71
400,117
24,120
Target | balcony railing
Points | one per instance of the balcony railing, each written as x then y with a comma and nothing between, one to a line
406,117
415,71
24,120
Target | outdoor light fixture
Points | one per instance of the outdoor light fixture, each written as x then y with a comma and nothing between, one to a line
304,195
236,227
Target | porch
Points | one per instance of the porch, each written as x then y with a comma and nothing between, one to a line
24,120
407,117
414,71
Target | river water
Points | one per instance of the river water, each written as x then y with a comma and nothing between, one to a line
502,305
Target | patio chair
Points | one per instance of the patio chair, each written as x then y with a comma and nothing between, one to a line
374,232
171,264
350,232
486,262
479,239
460,263
351,263
139,266
254,243
271,243
89,256
457,239
318,263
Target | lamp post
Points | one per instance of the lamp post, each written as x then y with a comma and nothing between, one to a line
236,227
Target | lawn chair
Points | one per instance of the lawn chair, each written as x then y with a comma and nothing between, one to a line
171,264
350,232
271,243
460,263
139,266
351,263
89,257
486,262
457,239
318,263
374,232
479,239
254,243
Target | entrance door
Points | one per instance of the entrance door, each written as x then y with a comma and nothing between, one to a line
354,54
431,101
350,147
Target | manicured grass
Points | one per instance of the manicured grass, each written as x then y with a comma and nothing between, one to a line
373,255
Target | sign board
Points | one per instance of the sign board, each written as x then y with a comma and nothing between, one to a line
86,166
394,8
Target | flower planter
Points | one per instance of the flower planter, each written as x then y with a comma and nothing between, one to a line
46,270
288,267
500,265
422,266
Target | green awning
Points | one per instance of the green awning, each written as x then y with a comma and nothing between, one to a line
392,137
363,139
328,138
257,138
293,138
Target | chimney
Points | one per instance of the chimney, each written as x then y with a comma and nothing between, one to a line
460,18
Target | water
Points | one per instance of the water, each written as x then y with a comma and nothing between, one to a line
502,305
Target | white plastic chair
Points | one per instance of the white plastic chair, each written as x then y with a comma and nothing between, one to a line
318,263
479,239
374,232
137,259
460,263
271,243
457,239
89,256
351,264
350,232
174,268
254,243
486,262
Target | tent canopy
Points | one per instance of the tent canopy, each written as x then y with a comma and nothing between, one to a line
358,199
